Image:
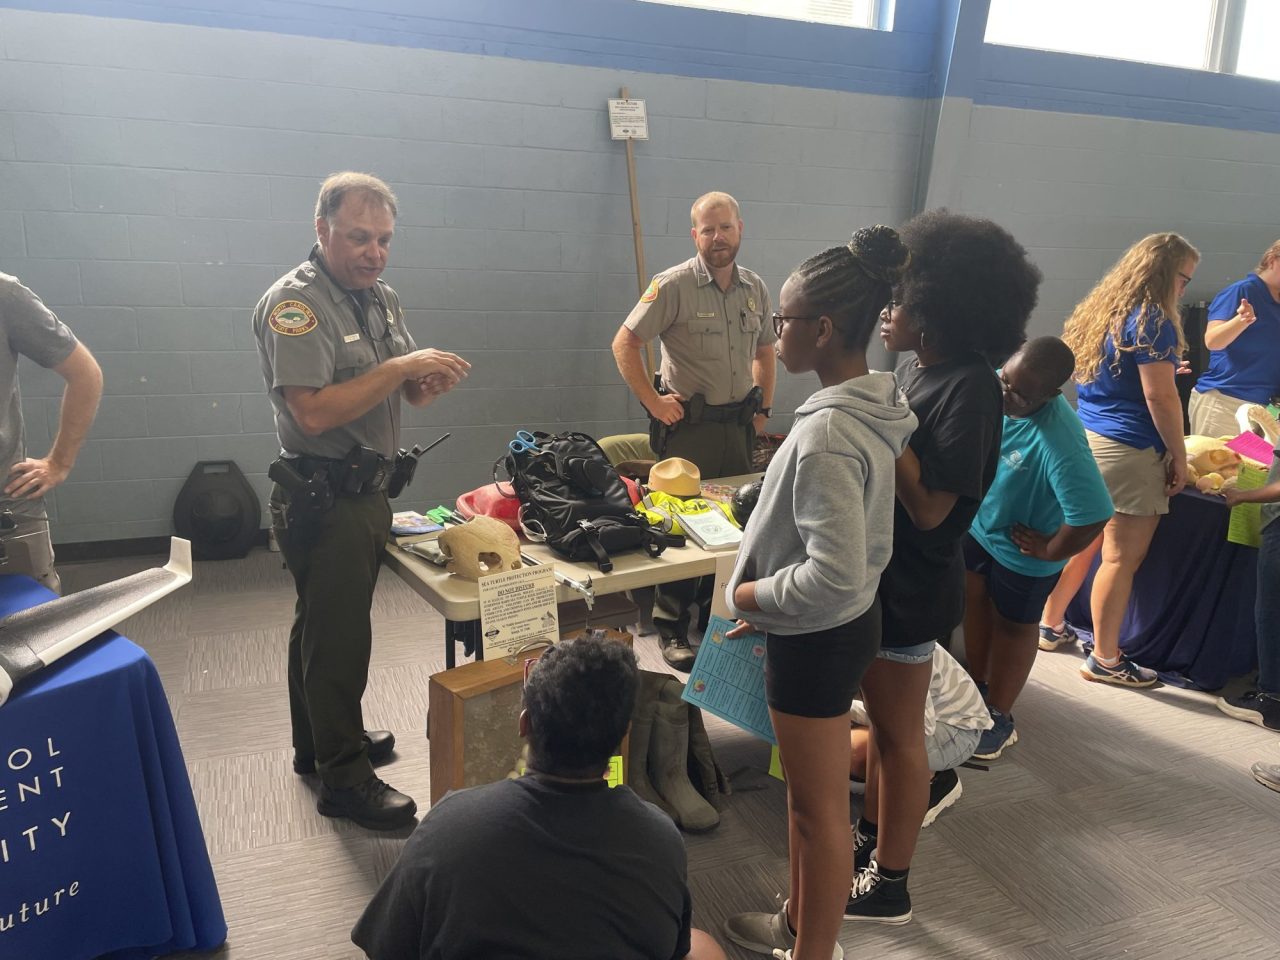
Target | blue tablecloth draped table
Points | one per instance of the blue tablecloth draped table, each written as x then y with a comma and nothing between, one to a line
1191,613
101,849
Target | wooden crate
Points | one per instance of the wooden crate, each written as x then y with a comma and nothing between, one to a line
472,721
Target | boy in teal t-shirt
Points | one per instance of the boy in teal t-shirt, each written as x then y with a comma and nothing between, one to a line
1047,503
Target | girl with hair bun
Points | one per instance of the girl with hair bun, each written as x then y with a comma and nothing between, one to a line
961,308
809,567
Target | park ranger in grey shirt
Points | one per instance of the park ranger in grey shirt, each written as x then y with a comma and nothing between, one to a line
336,361
31,330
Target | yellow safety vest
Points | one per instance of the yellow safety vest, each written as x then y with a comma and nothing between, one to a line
663,509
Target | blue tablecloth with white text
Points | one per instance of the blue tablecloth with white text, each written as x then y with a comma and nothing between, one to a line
101,849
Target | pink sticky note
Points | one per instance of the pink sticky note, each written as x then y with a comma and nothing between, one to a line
1252,446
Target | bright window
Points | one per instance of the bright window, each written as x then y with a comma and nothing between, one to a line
842,13
1258,40
1172,32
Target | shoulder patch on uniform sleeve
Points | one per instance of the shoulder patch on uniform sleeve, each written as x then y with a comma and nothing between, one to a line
292,318
651,292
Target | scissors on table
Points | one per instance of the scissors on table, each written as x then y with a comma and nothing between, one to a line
523,443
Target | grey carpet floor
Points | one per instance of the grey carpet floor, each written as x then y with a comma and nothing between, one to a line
1123,824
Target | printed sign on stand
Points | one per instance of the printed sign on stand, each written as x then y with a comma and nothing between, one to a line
518,608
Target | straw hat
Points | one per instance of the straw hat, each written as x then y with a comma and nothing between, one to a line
676,476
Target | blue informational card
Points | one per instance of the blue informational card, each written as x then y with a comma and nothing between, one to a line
728,679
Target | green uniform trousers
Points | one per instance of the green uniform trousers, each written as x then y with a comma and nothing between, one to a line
331,637
719,450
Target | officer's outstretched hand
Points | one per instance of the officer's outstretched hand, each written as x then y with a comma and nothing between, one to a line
425,363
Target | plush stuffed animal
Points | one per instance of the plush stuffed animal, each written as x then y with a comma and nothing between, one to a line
1210,463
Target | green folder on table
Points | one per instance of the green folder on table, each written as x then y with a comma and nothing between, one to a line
1245,525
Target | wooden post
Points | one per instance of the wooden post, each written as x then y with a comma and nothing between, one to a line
637,235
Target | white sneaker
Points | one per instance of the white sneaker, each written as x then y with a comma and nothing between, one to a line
767,933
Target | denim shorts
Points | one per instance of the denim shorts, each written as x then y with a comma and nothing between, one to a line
916,653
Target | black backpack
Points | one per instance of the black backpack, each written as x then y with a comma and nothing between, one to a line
572,499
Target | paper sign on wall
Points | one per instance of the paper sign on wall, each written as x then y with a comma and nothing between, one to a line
518,608
628,120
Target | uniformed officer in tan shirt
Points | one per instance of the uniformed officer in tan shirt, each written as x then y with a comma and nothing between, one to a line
713,318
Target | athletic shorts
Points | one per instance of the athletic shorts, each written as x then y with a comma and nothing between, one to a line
818,674
1017,597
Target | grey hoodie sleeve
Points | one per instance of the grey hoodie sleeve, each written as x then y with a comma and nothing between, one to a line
827,498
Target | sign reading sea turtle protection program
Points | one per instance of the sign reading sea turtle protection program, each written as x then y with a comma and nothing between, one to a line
517,608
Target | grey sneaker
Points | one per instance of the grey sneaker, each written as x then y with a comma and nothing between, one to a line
1267,774
1126,673
1051,639
766,933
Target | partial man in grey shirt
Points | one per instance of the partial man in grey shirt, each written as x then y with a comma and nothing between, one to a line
31,330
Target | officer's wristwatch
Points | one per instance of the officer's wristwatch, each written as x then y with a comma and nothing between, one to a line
765,412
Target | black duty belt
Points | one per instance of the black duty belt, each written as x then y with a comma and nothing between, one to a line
722,413
310,466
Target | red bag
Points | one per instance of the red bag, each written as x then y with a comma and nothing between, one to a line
492,500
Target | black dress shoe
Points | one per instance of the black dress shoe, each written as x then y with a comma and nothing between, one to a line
677,652
378,744
371,803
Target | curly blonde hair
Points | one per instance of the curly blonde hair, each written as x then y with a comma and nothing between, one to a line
1147,277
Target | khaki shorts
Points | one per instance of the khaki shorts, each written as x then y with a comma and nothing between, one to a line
1134,478
1213,414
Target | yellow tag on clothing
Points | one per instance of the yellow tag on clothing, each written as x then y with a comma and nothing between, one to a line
651,292
292,318
751,304
775,765
613,775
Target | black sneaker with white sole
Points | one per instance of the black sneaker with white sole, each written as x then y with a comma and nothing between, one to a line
864,850
1255,707
878,899
944,790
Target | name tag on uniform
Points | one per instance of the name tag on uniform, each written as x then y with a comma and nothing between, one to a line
706,316
351,338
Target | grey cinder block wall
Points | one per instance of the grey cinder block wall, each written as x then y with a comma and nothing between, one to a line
158,172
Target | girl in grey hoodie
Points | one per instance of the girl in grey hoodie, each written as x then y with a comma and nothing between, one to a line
809,567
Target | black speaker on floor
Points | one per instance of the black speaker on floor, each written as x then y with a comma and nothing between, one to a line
217,511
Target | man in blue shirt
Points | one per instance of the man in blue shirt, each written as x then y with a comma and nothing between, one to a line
1047,503
1243,337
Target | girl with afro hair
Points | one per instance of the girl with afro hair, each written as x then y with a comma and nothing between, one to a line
961,309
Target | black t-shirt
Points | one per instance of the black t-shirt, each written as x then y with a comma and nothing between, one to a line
960,407
527,870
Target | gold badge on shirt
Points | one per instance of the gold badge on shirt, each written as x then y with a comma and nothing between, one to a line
751,304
